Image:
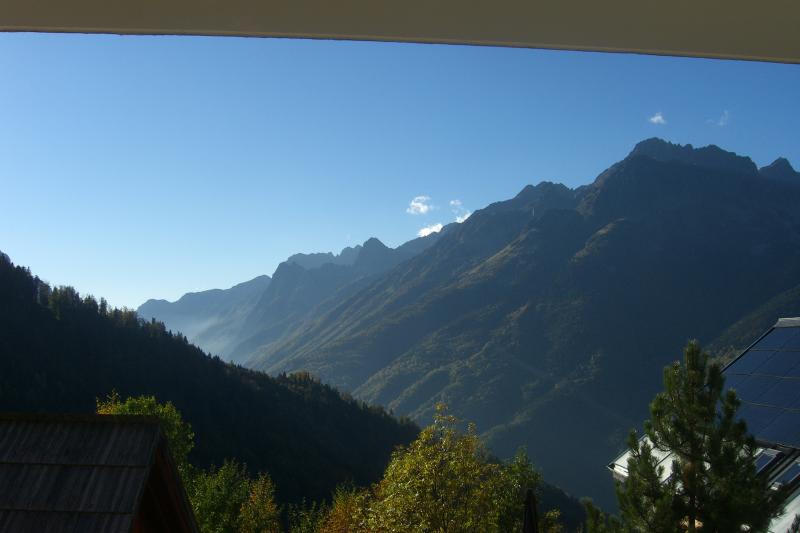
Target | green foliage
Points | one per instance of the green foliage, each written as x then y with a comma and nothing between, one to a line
224,499
712,483
306,517
516,477
550,522
599,522
645,501
259,513
218,496
349,511
178,432
445,481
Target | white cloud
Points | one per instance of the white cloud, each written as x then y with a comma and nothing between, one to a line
722,121
427,230
458,210
419,205
658,118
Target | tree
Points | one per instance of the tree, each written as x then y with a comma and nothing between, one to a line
307,517
218,496
445,481
599,522
259,513
348,511
712,482
179,434
224,499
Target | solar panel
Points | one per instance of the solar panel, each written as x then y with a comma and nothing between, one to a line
775,339
766,458
794,372
784,429
749,362
766,378
790,475
793,343
784,392
732,381
757,417
754,386
778,364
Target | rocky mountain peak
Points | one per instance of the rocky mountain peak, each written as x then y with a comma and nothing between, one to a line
710,156
782,170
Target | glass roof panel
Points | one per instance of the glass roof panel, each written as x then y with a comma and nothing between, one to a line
732,381
754,387
793,343
784,393
790,475
757,417
793,372
775,339
778,364
764,459
784,429
748,362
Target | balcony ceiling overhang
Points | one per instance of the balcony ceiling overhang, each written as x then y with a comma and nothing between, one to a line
764,30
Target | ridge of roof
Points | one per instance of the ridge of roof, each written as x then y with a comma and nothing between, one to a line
21,416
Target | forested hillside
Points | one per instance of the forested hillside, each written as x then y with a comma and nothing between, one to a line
59,352
547,318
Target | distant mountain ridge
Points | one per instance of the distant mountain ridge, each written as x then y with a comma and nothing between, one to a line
211,319
347,256
235,323
547,318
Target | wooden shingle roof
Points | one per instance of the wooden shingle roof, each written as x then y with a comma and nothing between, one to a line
80,473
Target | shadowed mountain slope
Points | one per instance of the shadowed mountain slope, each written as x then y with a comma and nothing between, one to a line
235,323
297,295
736,338
547,318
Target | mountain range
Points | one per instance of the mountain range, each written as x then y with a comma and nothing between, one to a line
547,318
238,322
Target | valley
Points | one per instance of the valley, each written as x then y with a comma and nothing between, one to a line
545,318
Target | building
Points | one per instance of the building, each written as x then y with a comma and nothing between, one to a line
89,473
766,377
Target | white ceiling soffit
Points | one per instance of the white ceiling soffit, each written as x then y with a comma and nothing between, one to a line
765,30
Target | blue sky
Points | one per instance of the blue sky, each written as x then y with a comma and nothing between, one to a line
139,167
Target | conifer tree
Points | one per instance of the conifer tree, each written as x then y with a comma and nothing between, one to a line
709,482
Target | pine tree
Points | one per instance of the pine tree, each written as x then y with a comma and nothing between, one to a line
711,484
